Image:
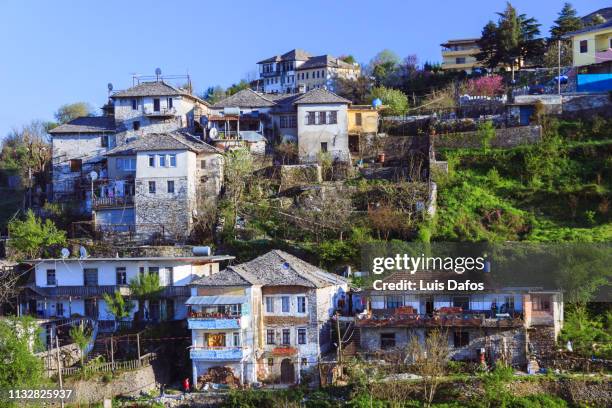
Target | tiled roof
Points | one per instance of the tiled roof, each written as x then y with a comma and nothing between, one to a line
320,95
87,124
324,61
276,268
163,141
293,55
156,88
246,98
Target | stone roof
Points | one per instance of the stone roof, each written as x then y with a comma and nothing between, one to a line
324,61
155,88
246,98
162,141
605,12
607,24
87,124
293,55
276,268
320,95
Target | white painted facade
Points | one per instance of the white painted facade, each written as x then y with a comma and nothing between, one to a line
315,138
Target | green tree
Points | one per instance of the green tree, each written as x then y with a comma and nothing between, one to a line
145,287
31,238
383,65
26,149
488,45
567,21
395,102
213,94
118,306
588,334
19,367
356,90
238,172
596,20
81,336
235,88
349,59
71,111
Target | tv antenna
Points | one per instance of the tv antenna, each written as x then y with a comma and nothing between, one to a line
158,73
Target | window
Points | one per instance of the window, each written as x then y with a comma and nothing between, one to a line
236,337
301,335
126,164
286,337
310,118
324,147
59,309
121,276
172,160
151,160
285,304
462,301
322,118
387,340
333,117
170,186
358,119
154,270
460,60
304,362
541,303
283,122
104,140
170,103
301,304
51,277
394,301
162,160
584,46
270,336
269,304
270,362
151,187
134,104
75,165
156,104
509,304
461,339
90,277
292,121
136,125
165,276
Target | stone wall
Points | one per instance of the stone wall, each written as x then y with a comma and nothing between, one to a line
504,138
585,105
69,355
299,175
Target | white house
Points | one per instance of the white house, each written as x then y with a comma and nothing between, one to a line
267,319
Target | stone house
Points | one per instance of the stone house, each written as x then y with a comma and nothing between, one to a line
158,185
491,323
73,287
267,319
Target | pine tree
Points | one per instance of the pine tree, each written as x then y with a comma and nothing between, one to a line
567,21
488,46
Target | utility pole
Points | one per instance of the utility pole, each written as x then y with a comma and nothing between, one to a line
138,346
112,353
559,67
59,365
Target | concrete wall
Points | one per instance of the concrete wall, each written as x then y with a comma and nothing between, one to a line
310,137
369,120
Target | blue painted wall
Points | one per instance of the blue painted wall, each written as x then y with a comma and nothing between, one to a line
594,82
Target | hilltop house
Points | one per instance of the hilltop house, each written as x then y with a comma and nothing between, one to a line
158,184
297,70
267,319
73,287
494,323
316,120
460,54
78,147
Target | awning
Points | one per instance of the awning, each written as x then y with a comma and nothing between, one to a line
216,300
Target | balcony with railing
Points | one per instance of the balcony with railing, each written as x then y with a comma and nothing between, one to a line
160,113
114,201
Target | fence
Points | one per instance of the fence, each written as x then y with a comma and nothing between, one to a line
144,361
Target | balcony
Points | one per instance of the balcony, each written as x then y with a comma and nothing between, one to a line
389,318
213,323
217,353
115,201
161,113
603,55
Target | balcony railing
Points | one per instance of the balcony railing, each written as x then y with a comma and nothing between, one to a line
217,323
203,315
463,319
115,201
216,353
163,112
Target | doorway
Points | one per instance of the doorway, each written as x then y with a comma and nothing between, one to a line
287,372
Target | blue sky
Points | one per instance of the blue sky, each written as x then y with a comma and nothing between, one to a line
56,52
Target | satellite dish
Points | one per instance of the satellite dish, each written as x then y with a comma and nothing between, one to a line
82,252
110,87
93,175
285,265
65,253
213,133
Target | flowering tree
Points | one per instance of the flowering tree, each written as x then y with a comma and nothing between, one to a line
486,86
